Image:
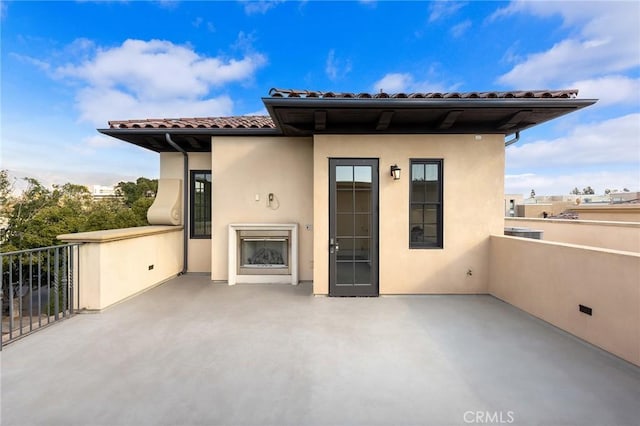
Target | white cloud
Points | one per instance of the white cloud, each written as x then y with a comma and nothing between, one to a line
605,40
154,78
405,83
43,65
615,141
252,7
458,30
99,105
443,9
610,90
101,141
168,4
336,68
370,3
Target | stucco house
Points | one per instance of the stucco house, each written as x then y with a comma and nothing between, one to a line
363,194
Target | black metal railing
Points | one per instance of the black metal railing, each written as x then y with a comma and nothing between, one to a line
38,288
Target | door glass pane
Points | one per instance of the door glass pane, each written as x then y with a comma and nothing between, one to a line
344,201
362,227
361,249
362,273
344,173
345,249
344,273
344,224
362,201
362,175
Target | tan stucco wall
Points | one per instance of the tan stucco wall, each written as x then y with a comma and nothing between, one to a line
473,209
117,264
244,167
171,167
610,235
549,280
622,213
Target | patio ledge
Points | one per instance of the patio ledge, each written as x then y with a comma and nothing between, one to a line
117,234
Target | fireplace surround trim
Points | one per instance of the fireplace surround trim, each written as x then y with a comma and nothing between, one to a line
289,278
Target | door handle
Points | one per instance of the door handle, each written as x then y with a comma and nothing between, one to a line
333,246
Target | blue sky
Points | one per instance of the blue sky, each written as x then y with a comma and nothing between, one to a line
68,67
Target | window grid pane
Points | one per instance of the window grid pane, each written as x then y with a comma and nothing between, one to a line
200,204
425,211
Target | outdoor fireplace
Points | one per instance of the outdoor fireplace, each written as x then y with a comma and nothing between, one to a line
263,253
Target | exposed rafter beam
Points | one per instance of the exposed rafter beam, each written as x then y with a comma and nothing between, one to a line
384,120
153,142
449,119
515,119
320,118
193,142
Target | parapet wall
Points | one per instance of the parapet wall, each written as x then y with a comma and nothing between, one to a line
551,280
623,236
119,263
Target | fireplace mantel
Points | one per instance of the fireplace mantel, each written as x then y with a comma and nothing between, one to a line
290,278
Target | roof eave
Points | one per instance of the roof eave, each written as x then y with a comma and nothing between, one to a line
153,139
413,103
278,108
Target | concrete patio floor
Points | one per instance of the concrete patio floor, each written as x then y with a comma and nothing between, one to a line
190,352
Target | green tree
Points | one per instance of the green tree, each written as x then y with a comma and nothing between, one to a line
133,191
37,216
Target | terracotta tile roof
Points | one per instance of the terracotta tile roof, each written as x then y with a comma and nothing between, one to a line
236,122
266,122
554,94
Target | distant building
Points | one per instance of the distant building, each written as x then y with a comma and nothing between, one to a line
616,206
511,201
101,191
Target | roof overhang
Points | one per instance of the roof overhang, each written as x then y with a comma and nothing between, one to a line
190,140
308,116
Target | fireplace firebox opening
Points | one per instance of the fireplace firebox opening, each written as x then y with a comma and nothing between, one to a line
263,252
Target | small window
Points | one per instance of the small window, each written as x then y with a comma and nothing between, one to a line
200,211
425,204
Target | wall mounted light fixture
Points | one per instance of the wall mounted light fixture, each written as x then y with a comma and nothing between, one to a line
395,172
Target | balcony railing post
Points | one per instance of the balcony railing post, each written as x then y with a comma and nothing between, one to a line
1,301
48,286
39,289
56,281
65,281
10,297
20,292
71,289
30,292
